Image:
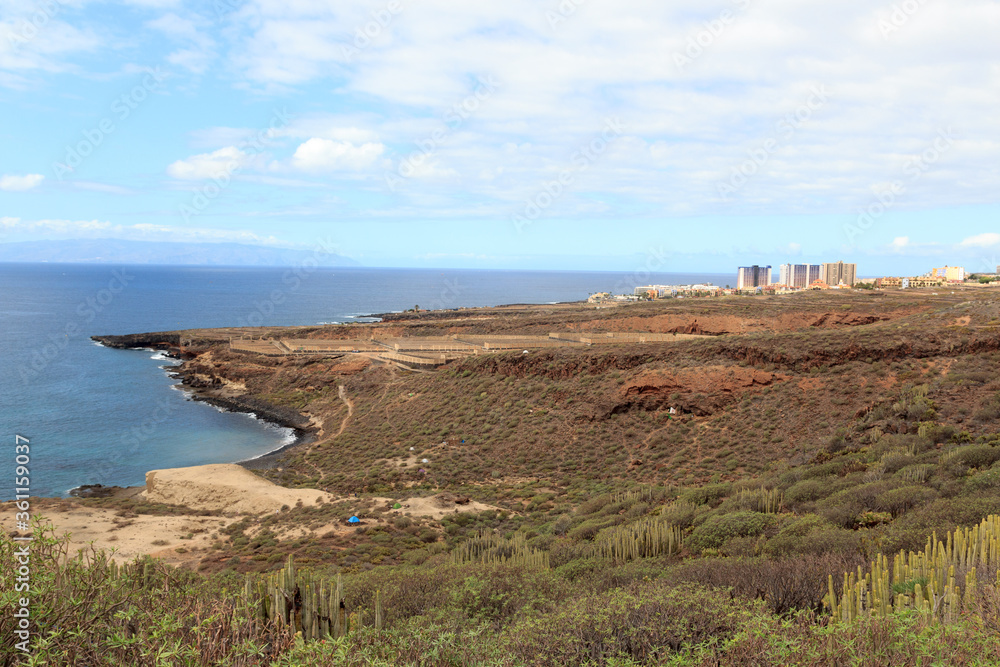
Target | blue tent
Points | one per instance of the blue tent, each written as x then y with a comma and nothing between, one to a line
354,519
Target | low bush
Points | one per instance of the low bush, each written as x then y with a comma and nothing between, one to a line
974,456
719,528
707,494
643,623
809,490
898,501
812,534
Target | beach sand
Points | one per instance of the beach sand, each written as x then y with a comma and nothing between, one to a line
224,493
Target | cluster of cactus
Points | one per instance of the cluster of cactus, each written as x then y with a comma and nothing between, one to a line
895,457
140,570
489,547
940,581
646,538
765,501
311,605
644,494
918,472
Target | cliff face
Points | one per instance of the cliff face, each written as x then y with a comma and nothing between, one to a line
789,375
164,340
209,384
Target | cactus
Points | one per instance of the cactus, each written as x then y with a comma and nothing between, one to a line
765,501
646,538
311,605
924,581
488,547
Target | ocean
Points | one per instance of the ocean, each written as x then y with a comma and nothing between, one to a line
95,415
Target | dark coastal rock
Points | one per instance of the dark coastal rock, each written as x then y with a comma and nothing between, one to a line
157,341
275,414
95,491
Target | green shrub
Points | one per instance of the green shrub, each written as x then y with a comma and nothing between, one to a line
984,480
784,584
811,534
86,610
911,530
680,513
643,623
808,490
707,494
974,456
719,528
499,594
898,501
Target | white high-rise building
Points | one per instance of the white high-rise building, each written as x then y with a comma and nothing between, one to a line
798,275
753,276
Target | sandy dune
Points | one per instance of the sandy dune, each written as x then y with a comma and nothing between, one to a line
178,540
224,488
227,489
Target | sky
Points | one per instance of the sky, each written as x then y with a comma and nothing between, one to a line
694,135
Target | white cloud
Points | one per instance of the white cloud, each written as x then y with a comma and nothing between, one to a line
687,129
200,48
987,240
136,232
900,243
12,183
205,166
326,154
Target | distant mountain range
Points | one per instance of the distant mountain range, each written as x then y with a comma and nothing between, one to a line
117,251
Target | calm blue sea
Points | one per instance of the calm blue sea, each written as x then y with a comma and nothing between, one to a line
98,415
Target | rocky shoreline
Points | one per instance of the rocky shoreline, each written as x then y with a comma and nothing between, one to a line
199,390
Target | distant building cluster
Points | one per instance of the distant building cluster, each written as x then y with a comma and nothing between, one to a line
938,277
790,278
753,276
797,276
667,291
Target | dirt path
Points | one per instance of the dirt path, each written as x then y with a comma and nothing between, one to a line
342,395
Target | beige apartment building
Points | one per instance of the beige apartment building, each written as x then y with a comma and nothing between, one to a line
952,274
835,273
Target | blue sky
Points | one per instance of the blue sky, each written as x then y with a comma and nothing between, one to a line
589,134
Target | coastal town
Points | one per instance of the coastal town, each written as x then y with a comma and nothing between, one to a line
790,278
431,352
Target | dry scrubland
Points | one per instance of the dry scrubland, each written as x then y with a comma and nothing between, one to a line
552,511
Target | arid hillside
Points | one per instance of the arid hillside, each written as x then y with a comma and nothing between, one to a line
777,382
